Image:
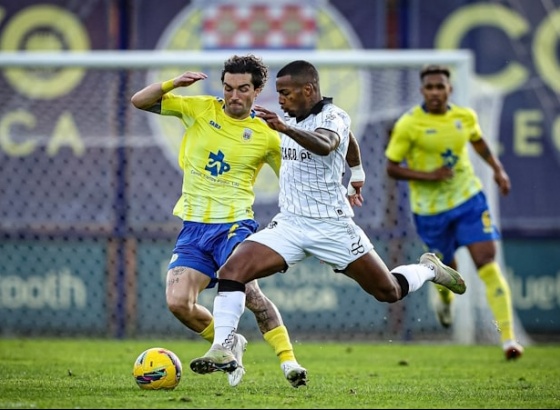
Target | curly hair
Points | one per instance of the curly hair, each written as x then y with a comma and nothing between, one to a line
247,64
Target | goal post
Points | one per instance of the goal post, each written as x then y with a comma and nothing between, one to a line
111,59
461,60
67,117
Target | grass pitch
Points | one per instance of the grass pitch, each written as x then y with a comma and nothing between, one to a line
79,373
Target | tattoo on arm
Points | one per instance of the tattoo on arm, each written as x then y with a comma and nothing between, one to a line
156,108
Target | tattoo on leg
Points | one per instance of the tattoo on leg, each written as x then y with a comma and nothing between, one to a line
265,311
176,273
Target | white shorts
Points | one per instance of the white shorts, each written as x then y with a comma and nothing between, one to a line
337,242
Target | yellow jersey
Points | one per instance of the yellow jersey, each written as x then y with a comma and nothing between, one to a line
429,141
220,157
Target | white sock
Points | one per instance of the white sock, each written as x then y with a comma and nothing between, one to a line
228,308
415,274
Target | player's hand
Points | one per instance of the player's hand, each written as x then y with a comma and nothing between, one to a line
355,193
272,119
502,179
354,190
188,78
442,174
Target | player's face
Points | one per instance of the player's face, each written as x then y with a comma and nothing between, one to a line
239,94
436,90
291,96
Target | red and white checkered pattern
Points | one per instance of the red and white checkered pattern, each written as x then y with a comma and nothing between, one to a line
259,26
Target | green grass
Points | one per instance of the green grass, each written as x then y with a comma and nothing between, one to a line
76,373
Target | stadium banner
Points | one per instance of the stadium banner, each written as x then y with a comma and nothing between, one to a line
534,277
54,287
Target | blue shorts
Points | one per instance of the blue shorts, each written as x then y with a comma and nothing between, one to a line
468,223
205,247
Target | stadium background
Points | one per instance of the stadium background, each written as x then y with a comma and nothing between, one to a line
88,183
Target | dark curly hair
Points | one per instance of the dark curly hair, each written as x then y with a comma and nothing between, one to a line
247,64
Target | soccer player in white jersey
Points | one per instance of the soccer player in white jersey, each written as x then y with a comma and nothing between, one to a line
224,147
429,150
315,217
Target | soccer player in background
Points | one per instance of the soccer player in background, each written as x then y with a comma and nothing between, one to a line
429,148
223,149
315,217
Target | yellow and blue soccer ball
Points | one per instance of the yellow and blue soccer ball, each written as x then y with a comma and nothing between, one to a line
157,368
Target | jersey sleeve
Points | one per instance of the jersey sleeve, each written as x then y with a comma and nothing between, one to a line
172,104
335,120
475,132
186,108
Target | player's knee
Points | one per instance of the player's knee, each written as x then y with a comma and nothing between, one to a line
180,306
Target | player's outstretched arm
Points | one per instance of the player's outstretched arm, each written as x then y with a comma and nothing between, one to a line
150,96
320,142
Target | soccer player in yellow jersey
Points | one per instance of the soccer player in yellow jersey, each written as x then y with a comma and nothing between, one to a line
223,149
429,148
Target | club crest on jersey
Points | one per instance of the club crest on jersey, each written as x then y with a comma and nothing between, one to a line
247,134
458,124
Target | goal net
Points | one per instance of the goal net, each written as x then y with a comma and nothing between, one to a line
89,182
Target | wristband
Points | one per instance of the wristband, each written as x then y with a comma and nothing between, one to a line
167,86
358,173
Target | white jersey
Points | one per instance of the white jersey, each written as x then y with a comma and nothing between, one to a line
311,184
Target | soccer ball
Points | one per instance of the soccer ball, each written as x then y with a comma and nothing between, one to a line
157,368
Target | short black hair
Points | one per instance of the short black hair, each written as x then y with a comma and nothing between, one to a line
435,69
247,64
301,70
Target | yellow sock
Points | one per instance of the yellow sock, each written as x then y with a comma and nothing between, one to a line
208,333
279,339
445,294
498,295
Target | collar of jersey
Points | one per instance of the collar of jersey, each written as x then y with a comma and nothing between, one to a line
425,109
316,108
